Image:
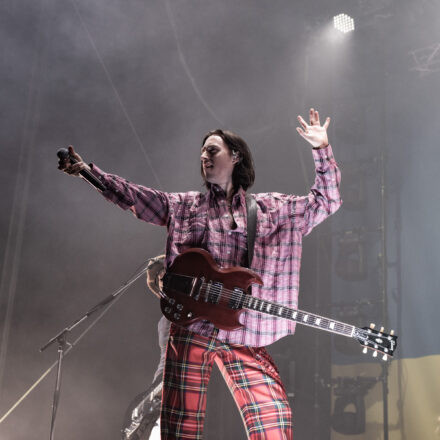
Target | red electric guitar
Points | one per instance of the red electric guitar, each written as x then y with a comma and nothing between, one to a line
196,288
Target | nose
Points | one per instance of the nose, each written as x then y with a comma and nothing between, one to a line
204,156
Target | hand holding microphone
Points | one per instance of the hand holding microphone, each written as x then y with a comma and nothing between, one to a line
71,163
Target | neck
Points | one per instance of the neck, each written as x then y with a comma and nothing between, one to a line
228,188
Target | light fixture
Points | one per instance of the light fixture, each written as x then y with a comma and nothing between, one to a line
343,23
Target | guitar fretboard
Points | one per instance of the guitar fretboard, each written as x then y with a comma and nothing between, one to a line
305,318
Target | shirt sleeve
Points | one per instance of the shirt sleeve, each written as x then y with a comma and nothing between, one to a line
324,198
147,204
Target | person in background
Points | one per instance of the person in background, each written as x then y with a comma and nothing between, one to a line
142,418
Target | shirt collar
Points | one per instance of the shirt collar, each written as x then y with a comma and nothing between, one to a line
217,193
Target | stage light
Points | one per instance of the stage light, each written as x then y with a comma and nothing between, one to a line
343,23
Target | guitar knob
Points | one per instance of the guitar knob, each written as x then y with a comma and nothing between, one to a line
172,301
179,307
167,309
176,315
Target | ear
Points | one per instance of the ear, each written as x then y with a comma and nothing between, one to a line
235,157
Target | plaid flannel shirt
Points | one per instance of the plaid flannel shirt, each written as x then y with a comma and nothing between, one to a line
195,219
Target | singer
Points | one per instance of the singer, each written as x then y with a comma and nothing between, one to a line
217,221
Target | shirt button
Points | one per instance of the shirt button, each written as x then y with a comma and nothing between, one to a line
229,252
229,233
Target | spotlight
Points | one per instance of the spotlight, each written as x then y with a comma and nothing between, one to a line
343,23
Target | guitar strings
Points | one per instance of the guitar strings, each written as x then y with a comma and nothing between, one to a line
228,294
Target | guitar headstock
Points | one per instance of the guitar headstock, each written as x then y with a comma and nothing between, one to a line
377,341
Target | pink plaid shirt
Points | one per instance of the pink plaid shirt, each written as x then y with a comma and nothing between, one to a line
197,219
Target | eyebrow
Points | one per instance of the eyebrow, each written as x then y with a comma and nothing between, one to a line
205,147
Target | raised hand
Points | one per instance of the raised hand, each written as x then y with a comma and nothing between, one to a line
72,168
314,133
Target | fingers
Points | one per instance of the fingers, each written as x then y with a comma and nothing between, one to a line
317,117
68,167
75,169
301,132
302,122
74,154
313,120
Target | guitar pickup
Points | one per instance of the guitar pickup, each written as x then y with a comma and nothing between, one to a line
215,293
210,291
237,299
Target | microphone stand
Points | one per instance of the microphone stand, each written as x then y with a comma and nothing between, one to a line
61,338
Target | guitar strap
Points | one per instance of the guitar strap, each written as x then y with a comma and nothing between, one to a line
251,210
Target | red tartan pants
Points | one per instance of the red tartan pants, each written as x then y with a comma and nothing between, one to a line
249,372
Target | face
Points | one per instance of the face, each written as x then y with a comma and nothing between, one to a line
217,161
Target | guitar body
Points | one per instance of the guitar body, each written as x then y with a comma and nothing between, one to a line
189,301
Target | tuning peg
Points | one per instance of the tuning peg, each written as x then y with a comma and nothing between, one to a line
365,350
392,332
375,353
372,325
381,329
385,357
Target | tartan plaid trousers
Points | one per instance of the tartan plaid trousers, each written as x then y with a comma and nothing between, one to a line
249,372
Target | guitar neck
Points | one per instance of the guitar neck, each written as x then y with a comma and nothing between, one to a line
299,316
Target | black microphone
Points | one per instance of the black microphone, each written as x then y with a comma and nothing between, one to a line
63,154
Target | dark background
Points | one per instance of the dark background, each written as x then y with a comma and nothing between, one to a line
134,85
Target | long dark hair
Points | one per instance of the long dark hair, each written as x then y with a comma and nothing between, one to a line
244,173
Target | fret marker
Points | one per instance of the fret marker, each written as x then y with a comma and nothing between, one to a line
294,315
280,311
318,321
268,307
332,325
306,317
262,306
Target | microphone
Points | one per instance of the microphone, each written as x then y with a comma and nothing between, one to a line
63,154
